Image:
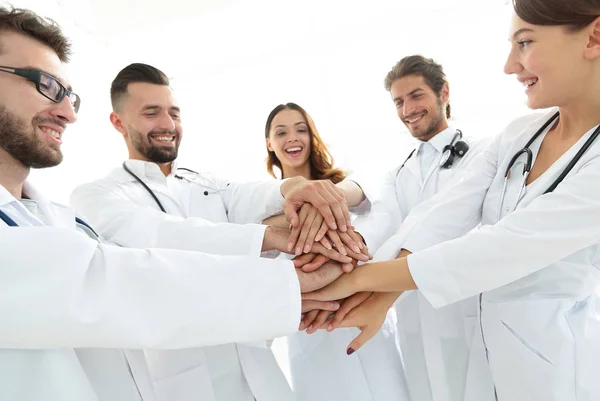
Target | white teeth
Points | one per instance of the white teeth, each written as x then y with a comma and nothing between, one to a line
51,132
413,120
294,150
530,82
163,138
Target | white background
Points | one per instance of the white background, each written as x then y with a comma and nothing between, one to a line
231,62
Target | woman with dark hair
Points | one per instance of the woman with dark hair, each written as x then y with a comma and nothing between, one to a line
535,260
320,370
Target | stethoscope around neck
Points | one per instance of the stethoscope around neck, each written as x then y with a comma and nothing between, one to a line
456,148
208,190
529,161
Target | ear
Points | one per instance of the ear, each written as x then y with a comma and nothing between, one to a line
592,50
445,93
116,121
269,147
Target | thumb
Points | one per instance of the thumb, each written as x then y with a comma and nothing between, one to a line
291,215
366,333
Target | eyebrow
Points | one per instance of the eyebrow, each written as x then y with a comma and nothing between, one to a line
410,94
284,126
157,107
520,31
30,67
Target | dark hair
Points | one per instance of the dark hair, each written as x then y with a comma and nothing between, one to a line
321,161
44,30
432,73
575,14
136,72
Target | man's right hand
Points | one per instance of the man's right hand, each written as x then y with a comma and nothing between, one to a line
319,278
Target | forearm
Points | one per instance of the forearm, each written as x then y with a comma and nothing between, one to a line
388,276
352,192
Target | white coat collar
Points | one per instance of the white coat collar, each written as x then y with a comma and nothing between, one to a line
58,215
440,140
146,171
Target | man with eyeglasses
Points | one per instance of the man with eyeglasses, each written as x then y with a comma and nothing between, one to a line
68,302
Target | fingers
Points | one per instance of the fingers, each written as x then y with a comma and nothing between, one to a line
310,305
291,213
325,242
355,237
331,253
315,227
338,206
366,333
337,242
322,317
322,231
306,240
305,259
349,242
297,230
348,305
308,319
318,261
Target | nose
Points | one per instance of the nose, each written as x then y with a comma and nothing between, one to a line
64,111
166,122
408,107
512,64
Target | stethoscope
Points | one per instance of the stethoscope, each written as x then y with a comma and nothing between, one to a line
456,148
529,161
11,223
181,176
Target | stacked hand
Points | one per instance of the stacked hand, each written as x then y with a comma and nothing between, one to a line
327,250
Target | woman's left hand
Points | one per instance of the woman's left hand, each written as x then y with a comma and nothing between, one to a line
368,317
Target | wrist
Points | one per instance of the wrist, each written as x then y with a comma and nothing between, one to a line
289,184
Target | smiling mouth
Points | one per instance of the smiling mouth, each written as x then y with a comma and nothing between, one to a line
166,139
529,83
294,151
54,134
414,119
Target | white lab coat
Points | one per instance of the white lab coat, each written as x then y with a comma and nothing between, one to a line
435,344
536,267
320,370
201,210
62,290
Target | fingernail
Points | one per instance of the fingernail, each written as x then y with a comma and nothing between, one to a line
343,227
309,328
301,326
329,328
290,246
350,351
356,249
334,305
360,245
343,251
306,248
334,226
298,250
328,246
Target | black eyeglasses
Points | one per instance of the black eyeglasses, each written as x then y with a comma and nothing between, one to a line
46,84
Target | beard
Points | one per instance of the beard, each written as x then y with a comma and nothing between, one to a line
143,144
21,141
433,127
